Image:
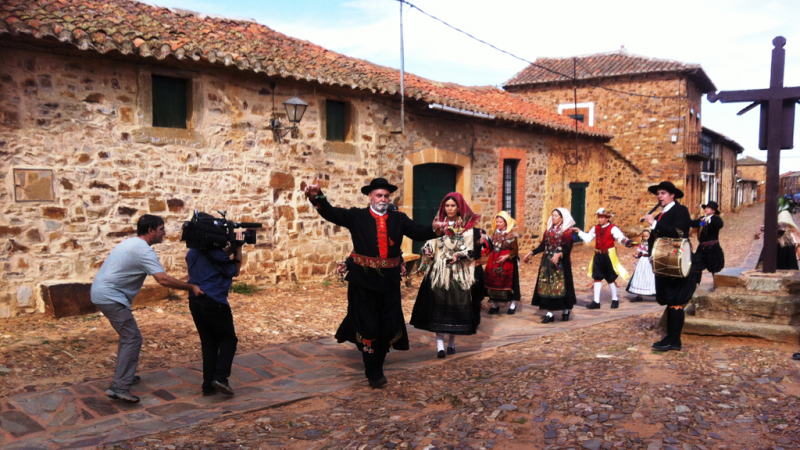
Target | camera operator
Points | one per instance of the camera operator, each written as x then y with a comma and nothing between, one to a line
114,287
213,271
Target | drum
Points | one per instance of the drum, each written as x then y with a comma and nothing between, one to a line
672,257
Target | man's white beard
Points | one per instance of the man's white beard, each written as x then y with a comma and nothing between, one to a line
380,207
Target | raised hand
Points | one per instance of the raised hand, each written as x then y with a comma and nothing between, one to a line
312,190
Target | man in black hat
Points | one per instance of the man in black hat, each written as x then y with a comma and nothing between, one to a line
374,320
673,292
709,254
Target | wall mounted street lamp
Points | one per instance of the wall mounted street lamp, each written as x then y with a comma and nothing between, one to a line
295,108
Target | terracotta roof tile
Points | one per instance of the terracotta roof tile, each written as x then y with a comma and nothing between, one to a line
605,65
750,161
133,28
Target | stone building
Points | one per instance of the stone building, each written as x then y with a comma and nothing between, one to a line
790,183
755,171
652,106
718,174
112,109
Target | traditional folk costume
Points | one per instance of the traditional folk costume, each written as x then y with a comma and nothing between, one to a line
502,279
605,264
444,302
788,238
643,281
709,255
672,292
554,289
374,320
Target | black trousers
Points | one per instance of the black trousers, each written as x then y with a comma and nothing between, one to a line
214,323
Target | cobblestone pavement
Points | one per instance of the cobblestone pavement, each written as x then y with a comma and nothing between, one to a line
80,416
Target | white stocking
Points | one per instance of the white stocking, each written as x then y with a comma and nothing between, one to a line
513,305
549,313
566,312
597,286
451,342
439,342
613,287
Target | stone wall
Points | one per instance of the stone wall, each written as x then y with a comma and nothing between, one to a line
81,162
755,173
643,129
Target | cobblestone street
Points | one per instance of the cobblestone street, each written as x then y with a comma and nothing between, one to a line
592,383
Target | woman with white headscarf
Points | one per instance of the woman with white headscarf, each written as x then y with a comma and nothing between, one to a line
554,288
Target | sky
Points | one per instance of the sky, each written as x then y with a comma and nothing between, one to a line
731,39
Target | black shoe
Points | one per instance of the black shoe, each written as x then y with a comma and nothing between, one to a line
380,382
548,319
593,305
124,396
565,317
658,346
511,311
211,392
494,310
136,379
451,350
222,387
441,354
614,304
637,299
796,356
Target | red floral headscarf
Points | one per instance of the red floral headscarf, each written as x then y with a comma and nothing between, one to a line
468,218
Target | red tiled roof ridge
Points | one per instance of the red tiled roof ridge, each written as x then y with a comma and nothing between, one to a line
137,28
750,161
605,65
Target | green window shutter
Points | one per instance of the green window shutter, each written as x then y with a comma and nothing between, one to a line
334,114
169,102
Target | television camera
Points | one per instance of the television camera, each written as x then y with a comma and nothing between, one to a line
207,232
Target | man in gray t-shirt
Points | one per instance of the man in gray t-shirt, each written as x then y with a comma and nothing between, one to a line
114,288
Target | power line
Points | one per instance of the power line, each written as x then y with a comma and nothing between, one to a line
574,78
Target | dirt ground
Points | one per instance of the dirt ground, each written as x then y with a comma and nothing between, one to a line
40,353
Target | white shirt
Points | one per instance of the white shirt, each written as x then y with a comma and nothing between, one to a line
663,210
616,233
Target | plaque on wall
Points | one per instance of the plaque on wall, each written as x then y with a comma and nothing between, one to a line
33,185
478,183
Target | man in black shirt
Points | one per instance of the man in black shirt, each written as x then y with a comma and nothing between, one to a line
672,292
374,320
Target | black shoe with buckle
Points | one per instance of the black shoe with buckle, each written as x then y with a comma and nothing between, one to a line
565,317
548,319
494,310
593,305
380,382
614,304
441,354
451,350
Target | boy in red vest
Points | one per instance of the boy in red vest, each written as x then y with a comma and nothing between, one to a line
604,265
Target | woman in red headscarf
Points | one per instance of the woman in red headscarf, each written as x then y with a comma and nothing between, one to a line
444,302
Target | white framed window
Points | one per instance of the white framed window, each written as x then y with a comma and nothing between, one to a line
584,112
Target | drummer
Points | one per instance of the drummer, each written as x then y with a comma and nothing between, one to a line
673,292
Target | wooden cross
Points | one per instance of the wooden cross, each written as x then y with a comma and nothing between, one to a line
776,133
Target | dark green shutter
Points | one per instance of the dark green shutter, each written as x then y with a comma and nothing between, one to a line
335,120
431,183
169,102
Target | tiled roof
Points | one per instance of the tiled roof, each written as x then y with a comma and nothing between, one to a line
790,174
605,65
133,28
728,142
750,161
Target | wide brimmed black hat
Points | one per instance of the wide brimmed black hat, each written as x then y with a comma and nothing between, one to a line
378,183
713,205
667,186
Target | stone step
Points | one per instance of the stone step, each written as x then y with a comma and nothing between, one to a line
753,307
771,332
